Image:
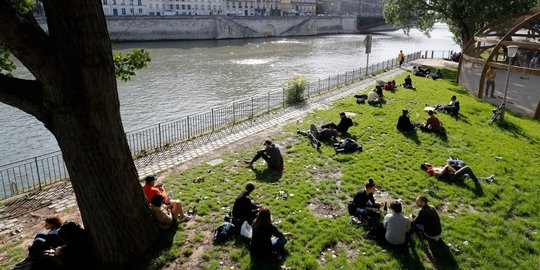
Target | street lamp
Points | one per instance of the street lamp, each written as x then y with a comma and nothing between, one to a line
511,51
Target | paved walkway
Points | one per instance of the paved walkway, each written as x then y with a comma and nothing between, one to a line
60,196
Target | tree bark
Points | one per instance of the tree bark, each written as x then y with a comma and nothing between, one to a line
78,102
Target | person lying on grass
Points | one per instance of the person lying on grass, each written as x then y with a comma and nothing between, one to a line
271,154
364,202
263,246
449,172
427,223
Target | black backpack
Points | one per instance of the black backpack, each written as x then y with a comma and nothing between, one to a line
224,232
347,146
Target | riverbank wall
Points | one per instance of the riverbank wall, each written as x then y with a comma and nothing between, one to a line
225,27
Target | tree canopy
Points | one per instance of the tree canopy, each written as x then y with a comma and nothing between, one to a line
464,17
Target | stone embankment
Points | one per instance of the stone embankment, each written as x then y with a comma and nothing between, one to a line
149,28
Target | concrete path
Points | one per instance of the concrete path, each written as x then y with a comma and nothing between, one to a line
58,197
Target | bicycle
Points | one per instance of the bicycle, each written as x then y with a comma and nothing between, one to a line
496,114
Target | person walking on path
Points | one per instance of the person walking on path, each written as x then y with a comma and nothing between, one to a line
490,81
400,58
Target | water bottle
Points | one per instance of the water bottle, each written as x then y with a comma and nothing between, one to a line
385,207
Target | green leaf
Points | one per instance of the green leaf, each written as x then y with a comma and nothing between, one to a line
126,65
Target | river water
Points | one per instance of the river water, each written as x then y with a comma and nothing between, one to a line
188,77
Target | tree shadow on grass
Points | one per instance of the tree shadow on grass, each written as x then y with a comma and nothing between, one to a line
413,136
477,189
516,131
267,175
160,255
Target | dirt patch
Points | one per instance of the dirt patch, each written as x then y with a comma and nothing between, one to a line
325,209
333,252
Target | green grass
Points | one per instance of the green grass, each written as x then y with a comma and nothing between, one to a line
485,226
13,252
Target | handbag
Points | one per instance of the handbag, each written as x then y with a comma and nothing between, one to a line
246,230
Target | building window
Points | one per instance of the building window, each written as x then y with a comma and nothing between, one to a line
139,2
183,6
123,11
122,3
114,2
132,11
177,6
170,6
150,6
140,10
104,2
188,6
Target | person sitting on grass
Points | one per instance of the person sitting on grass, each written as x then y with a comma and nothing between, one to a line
364,203
163,215
449,107
151,188
373,97
432,124
43,242
437,75
427,223
263,246
344,124
390,85
404,122
270,154
449,172
396,225
244,208
408,83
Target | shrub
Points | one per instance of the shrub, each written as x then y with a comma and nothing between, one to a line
294,90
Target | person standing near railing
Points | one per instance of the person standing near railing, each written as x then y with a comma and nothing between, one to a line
400,58
490,81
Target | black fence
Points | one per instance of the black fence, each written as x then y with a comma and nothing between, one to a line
30,174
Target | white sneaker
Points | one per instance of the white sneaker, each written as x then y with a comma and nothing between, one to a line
185,218
490,178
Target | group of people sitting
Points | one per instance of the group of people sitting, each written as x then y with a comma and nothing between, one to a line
165,210
395,228
65,245
432,123
419,71
327,131
267,242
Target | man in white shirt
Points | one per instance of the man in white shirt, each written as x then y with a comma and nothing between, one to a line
373,97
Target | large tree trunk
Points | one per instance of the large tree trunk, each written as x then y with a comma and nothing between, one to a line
75,96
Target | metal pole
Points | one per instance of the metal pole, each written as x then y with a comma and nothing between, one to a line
213,120
188,128
251,108
367,64
233,114
37,170
159,133
505,89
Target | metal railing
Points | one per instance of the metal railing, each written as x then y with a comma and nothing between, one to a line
30,174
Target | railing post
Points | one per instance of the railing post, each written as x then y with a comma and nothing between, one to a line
283,98
432,52
346,77
159,133
188,129
319,88
308,87
213,127
37,170
252,109
233,114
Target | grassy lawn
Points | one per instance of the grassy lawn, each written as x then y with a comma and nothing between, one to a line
485,226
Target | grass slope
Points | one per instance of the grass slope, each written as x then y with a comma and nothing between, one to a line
485,226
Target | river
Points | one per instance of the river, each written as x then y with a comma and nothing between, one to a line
187,77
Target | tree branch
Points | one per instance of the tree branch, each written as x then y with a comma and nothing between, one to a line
23,36
25,95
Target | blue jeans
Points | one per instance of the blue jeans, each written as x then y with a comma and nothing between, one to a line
371,217
465,170
279,243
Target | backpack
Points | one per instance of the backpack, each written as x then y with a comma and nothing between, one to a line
347,146
224,232
456,163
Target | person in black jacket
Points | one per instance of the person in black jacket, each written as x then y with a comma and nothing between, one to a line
270,154
344,124
427,222
364,202
404,123
245,209
263,246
